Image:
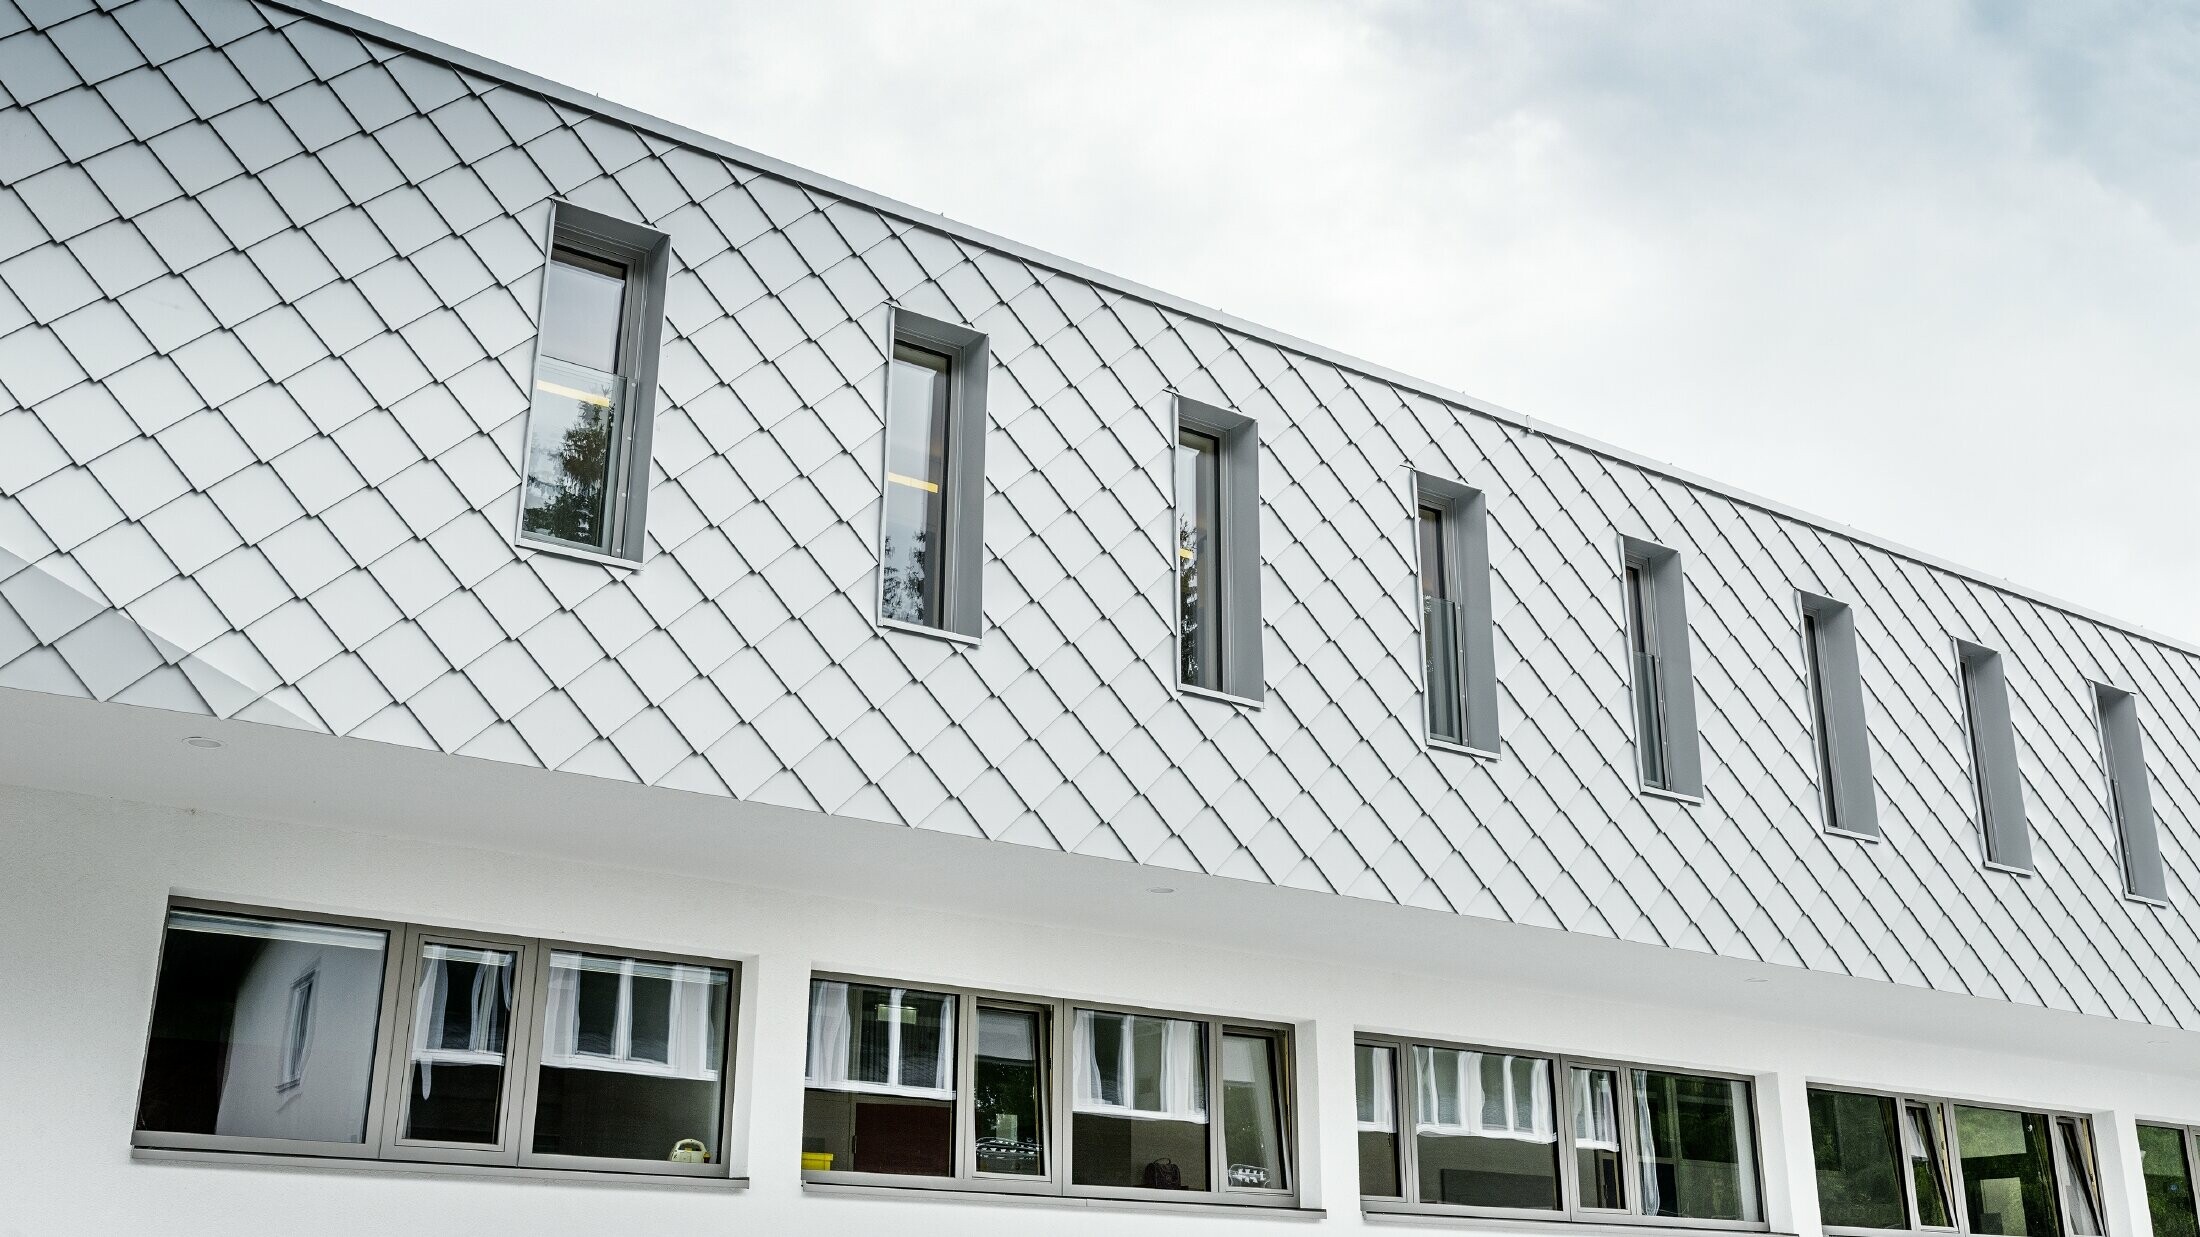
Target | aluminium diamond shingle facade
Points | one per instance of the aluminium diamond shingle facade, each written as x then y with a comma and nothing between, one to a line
266,293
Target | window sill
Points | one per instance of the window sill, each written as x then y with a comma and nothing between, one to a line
613,561
2143,900
1461,749
1659,792
410,1168
1160,1206
1391,1212
1852,835
933,633
2013,870
1208,693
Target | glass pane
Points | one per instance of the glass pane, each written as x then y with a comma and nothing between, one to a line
263,1029
1856,1144
1441,623
1139,1101
462,1011
632,1094
1252,1123
1009,1085
581,303
914,539
1484,1131
1929,1167
1821,723
2008,1177
1374,1069
2074,1160
1198,525
572,437
2168,1171
1696,1146
1649,691
1597,1151
881,1081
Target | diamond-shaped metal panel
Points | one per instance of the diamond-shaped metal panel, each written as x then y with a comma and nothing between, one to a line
266,301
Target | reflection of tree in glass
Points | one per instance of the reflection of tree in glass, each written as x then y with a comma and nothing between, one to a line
902,594
574,511
1191,609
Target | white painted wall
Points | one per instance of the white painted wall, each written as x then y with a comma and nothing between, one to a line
85,881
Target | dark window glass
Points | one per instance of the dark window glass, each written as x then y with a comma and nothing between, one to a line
2008,1172
914,539
610,1097
1485,1132
2074,1170
1929,1165
1139,1101
1649,687
1856,1145
1821,720
1198,544
1599,1157
1374,1071
880,1077
263,1028
582,308
1696,1147
1009,1081
1443,621
1252,1113
462,1013
2164,1159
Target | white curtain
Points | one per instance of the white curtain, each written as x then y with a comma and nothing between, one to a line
692,1042
1375,1089
1653,1199
836,1063
1171,1062
490,992
1596,1114
1483,1095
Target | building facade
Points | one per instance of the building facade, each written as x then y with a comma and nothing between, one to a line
672,691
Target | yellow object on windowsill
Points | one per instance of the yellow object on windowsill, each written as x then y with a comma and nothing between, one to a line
817,1161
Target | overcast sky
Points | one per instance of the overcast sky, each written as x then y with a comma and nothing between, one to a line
1930,270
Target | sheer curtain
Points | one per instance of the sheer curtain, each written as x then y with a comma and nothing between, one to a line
1375,1104
1483,1095
836,1061
1111,1087
692,1038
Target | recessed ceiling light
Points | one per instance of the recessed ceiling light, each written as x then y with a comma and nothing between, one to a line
200,740
1159,889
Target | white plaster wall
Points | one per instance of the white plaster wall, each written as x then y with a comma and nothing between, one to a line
83,888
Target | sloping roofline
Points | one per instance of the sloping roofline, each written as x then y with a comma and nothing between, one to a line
482,66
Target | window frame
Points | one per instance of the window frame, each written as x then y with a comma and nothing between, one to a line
1570,1211
1058,1126
1942,1110
961,607
1998,813
2188,1139
1833,700
1463,535
646,253
2129,796
391,1074
1242,624
1665,636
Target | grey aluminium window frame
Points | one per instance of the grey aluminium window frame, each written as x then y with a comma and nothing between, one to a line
647,255
1942,1110
968,356
1463,535
1654,615
1833,694
2188,1140
391,1077
1059,1150
1404,1105
1237,551
1990,740
2130,799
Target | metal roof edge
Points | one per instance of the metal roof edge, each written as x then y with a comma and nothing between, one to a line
571,96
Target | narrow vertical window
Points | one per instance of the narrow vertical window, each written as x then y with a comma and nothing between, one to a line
1252,1111
2130,803
2166,1160
1928,1158
1198,542
932,489
1375,1084
2076,1179
1599,1158
1834,684
589,419
1216,550
915,540
1009,1077
1997,786
1458,645
1654,602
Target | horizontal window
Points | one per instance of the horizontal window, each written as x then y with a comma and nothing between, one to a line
299,1035
1895,1163
1483,1132
970,1090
